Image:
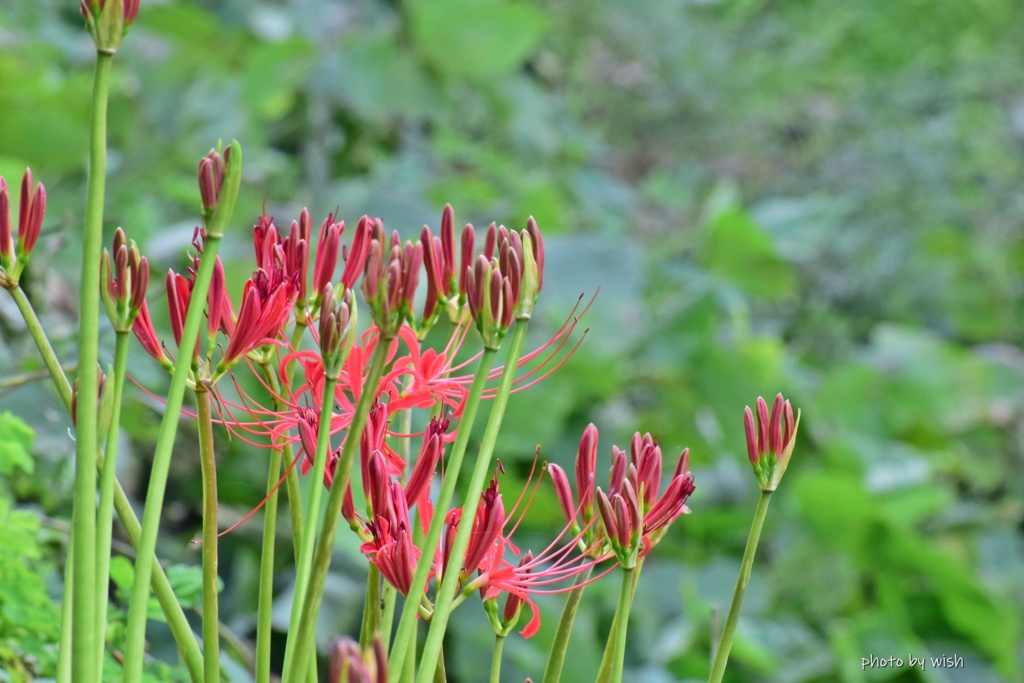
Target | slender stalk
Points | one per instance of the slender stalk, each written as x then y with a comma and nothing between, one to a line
208,463
325,542
604,674
64,648
371,609
560,645
622,611
266,591
176,619
450,582
85,645
35,328
136,624
178,623
746,567
387,618
406,634
292,478
440,676
108,479
304,560
499,645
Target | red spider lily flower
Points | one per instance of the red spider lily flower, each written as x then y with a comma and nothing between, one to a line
267,303
355,258
31,212
126,282
770,442
390,280
420,378
443,281
431,453
348,664
534,573
296,253
144,332
179,292
390,547
633,515
327,250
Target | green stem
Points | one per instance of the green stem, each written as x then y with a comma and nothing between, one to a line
625,602
136,624
325,541
746,567
266,592
208,463
108,480
499,645
560,645
60,380
176,620
387,618
305,557
86,647
371,609
64,647
604,674
439,673
292,478
406,634
450,582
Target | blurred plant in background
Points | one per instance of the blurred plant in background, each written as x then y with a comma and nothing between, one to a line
819,198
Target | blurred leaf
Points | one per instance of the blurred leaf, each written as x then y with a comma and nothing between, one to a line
740,251
16,439
476,39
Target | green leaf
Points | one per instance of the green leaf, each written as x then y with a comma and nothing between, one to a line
739,250
16,440
476,39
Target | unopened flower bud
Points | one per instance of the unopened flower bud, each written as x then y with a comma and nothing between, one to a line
337,328
770,440
108,21
124,282
220,177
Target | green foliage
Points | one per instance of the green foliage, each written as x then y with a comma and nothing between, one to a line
814,197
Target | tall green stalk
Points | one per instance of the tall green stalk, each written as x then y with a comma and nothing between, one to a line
560,644
176,620
64,645
406,634
371,609
108,481
306,636
85,642
606,672
622,613
746,567
450,582
208,464
499,645
266,592
136,624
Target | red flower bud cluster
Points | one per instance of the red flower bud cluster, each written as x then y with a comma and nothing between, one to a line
31,211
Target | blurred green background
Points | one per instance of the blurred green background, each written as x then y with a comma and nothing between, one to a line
819,198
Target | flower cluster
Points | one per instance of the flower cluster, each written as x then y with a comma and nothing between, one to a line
31,212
